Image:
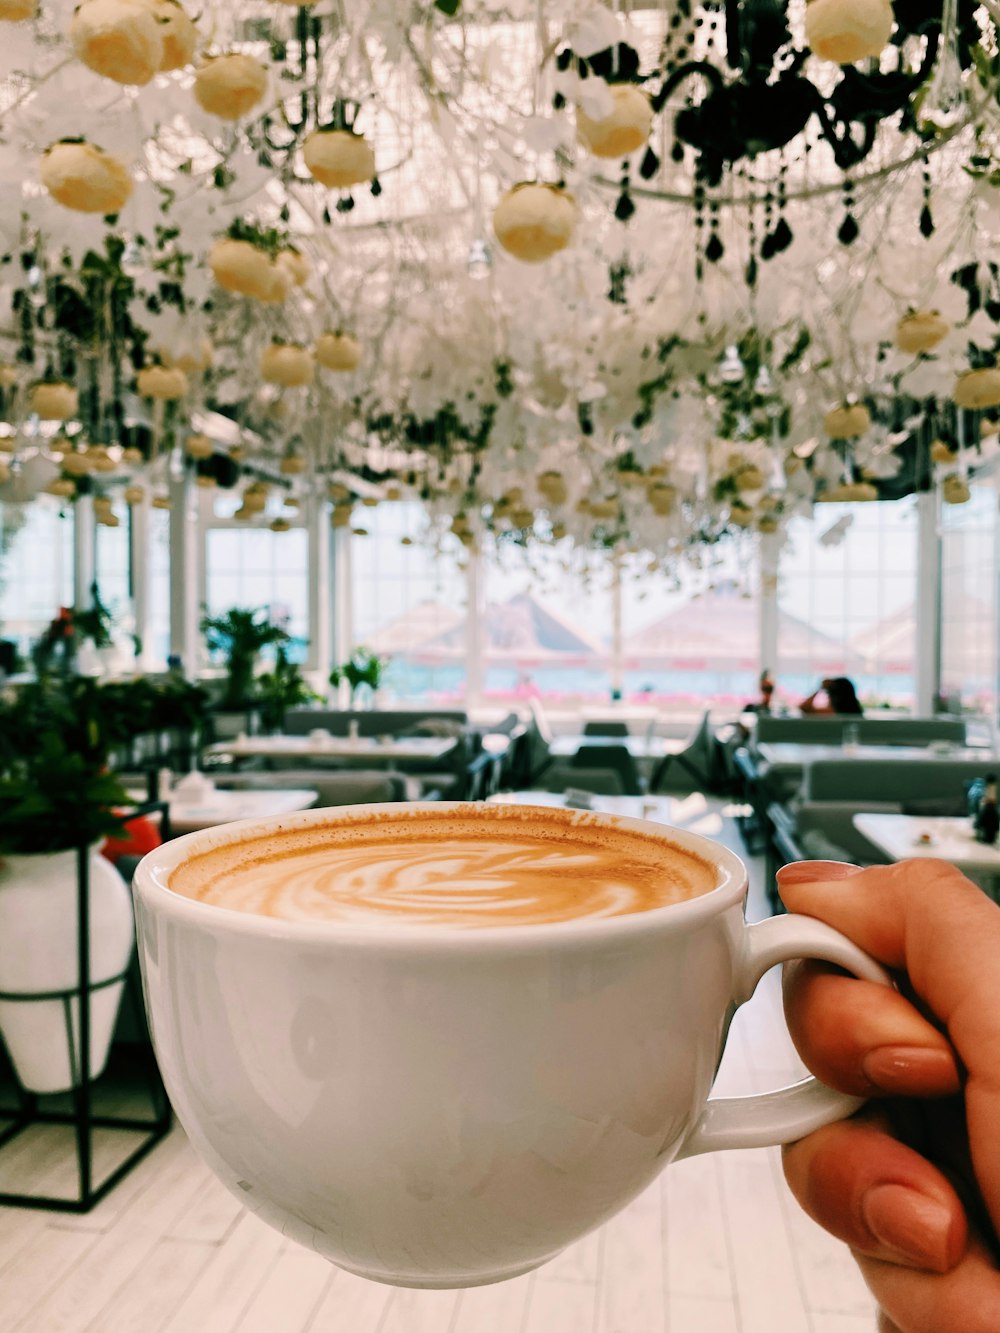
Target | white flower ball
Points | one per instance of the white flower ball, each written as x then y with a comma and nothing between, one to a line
338,159
844,31
229,86
177,32
83,177
977,389
533,222
119,39
920,331
338,351
54,402
626,128
165,383
847,422
287,365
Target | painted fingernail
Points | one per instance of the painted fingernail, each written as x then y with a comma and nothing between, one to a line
921,1070
806,872
911,1228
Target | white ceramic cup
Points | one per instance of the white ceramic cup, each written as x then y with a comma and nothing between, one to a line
437,1107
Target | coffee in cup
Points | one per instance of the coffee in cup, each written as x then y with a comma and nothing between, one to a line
433,1103
469,871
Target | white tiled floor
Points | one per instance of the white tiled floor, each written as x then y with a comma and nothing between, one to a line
715,1246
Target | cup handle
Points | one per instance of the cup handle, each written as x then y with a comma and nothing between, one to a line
765,1119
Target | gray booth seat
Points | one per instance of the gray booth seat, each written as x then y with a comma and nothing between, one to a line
560,777
371,722
872,730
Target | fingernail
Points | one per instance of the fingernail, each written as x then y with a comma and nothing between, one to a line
920,1070
911,1228
806,872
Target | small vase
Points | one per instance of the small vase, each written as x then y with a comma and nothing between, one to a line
39,954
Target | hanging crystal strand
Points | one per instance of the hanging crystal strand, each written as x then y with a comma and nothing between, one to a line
943,105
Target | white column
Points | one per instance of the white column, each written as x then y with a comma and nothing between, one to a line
927,665
768,555
185,574
139,538
343,628
617,675
84,537
320,589
475,589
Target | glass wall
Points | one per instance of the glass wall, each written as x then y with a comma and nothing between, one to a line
970,545
546,629
847,602
254,567
409,603
32,589
157,645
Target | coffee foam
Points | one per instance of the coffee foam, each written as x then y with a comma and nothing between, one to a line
512,866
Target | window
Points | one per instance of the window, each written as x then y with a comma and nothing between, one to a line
547,623
112,568
255,567
32,589
846,602
157,556
970,542
409,605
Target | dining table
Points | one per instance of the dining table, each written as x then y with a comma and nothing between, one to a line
212,806
788,758
355,751
659,809
945,838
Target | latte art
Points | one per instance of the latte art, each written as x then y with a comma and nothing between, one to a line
491,871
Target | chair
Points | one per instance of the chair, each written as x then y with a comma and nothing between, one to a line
605,729
617,758
699,759
533,753
482,776
599,781
752,821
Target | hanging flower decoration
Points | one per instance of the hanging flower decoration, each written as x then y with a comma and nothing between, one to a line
54,401
338,158
164,383
978,389
534,221
230,86
847,422
845,31
920,331
119,39
624,129
16,11
338,351
177,32
81,176
287,364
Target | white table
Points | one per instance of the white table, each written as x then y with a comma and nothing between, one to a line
224,807
660,809
951,839
362,750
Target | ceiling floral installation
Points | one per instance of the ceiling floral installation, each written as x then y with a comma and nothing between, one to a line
641,276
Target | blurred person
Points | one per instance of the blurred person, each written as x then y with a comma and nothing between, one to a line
841,698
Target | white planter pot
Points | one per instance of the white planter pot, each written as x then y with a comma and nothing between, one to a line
39,953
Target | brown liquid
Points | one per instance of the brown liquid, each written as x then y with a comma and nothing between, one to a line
510,867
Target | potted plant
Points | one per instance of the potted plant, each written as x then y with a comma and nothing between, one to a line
281,689
241,634
57,802
363,672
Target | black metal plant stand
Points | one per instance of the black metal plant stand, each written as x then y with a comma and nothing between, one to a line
82,1116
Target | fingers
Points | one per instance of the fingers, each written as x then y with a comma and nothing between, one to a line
964,1300
877,1195
924,918
864,1039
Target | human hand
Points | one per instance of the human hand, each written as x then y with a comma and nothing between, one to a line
911,1184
